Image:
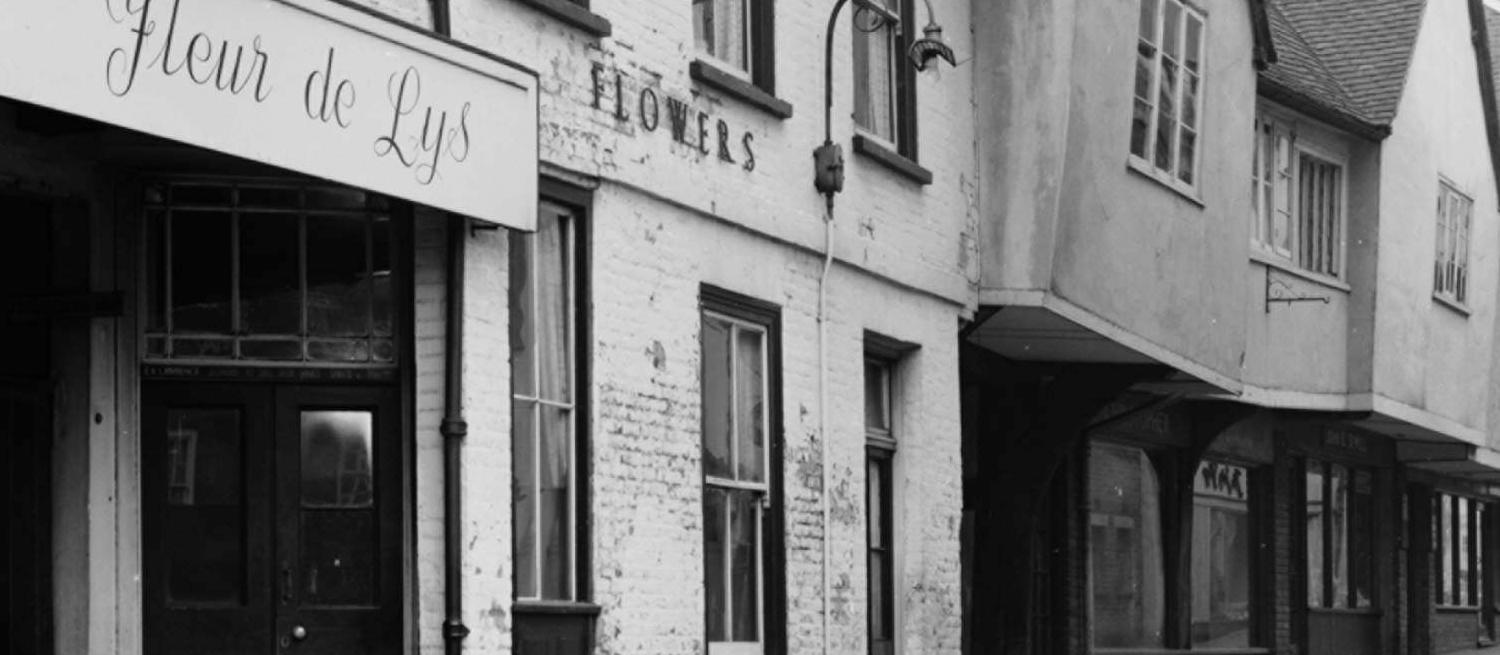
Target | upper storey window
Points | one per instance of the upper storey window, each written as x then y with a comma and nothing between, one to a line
884,88
1296,201
1455,213
1168,75
722,30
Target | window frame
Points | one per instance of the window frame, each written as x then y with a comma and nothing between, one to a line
1442,553
1145,163
755,84
881,450
721,304
903,95
578,327
1265,200
1375,600
1455,292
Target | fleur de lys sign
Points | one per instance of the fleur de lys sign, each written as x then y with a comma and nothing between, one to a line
315,86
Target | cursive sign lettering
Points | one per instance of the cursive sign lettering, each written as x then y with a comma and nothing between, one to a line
404,91
204,68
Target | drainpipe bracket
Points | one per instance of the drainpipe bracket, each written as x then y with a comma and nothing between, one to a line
454,428
454,630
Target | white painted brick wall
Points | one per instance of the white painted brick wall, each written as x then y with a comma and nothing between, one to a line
664,220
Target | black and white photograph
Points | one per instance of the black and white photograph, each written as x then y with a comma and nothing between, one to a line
750,327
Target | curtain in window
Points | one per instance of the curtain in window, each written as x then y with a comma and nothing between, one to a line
874,68
721,29
1127,586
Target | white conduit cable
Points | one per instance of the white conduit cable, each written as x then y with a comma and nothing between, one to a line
823,408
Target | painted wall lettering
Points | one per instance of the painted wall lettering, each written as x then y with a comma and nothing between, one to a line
203,67
688,125
343,95
404,91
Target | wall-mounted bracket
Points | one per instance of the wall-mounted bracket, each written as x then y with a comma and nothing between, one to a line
1280,291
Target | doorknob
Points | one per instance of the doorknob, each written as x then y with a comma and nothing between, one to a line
299,633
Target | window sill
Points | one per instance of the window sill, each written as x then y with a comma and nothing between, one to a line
1249,650
573,14
1460,308
1145,168
1261,257
553,607
891,159
1456,609
709,75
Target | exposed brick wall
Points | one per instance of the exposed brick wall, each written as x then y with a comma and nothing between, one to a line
650,261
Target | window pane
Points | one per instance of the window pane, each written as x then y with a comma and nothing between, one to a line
1221,564
715,557
339,557
551,324
270,275
1315,511
201,269
873,84
338,286
204,514
1192,49
1166,115
1147,24
744,579
155,287
1338,534
720,29
522,331
1125,549
337,459
717,405
384,290
1140,128
1461,582
1170,23
877,397
1362,539
524,490
555,456
750,405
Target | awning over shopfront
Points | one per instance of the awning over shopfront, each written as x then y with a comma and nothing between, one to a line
314,86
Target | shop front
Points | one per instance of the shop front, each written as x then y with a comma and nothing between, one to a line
210,391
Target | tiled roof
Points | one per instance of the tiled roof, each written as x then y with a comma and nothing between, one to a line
1350,56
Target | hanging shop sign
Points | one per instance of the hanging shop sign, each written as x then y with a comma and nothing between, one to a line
655,110
315,86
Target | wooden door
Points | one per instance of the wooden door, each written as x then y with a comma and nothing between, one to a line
272,519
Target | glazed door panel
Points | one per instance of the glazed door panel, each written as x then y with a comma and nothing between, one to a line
272,519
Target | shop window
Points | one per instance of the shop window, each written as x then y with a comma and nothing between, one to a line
741,492
1168,100
270,272
1340,535
884,82
1460,546
1455,215
547,444
1221,556
1127,588
880,455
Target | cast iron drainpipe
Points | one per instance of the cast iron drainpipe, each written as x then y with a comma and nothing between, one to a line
453,429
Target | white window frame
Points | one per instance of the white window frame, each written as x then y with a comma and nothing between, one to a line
1146,163
1262,233
746,71
762,489
569,251
1451,275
